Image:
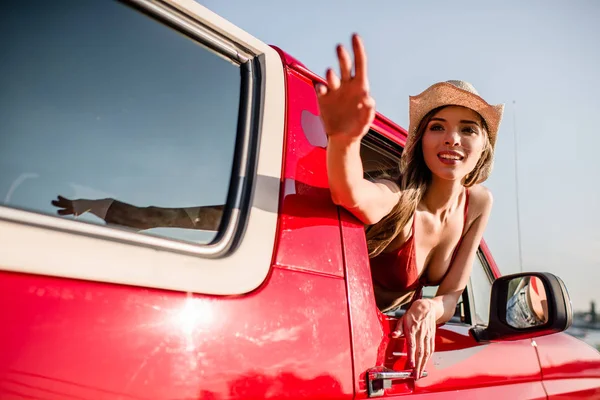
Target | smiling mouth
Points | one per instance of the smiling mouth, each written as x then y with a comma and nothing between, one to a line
450,156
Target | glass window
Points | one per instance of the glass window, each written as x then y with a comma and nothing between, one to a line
482,289
110,117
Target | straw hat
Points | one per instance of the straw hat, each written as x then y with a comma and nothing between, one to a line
457,93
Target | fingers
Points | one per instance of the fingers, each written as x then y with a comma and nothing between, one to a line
424,350
420,346
399,329
411,347
332,79
66,211
60,201
360,66
345,63
419,355
360,60
426,354
65,205
431,351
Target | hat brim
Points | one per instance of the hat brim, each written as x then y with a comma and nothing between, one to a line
446,94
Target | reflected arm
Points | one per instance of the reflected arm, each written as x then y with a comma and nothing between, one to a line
116,212
204,218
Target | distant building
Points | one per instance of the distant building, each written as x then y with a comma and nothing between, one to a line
587,319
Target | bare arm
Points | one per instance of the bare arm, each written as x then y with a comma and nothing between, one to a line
347,111
124,214
456,280
205,218
368,201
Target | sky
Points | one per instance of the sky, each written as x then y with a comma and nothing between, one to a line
542,55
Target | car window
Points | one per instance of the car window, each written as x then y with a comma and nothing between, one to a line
380,157
133,120
481,285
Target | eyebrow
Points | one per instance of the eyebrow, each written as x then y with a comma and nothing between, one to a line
462,121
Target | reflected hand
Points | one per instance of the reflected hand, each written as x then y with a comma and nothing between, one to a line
78,207
71,207
418,325
347,109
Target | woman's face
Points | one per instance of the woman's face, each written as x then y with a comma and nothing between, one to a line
453,142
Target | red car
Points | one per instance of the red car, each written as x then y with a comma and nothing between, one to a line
167,231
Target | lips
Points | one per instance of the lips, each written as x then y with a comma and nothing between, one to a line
450,157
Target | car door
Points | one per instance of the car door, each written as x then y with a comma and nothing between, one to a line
157,109
460,365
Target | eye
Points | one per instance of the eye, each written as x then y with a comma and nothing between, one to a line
469,130
436,127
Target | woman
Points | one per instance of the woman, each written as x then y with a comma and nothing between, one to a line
424,229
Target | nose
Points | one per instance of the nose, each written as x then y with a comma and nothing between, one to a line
452,138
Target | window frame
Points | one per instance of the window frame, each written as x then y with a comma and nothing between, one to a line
249,223
490,276
245,156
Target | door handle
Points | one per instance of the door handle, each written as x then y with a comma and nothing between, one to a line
380,378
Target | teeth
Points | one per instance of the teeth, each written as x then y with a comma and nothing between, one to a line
450,156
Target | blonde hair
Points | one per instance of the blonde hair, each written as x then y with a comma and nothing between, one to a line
414,180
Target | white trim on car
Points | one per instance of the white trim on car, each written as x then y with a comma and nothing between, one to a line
47,245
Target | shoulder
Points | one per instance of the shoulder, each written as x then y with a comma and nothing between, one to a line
480,201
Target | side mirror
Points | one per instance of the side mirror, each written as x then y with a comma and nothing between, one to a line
526,305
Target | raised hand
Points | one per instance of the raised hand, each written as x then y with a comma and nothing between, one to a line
77,207
347,109
70,207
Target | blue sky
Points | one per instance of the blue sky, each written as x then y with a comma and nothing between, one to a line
544,55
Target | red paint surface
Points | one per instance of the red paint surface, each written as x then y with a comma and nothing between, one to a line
64,338
570,367
368,337
309,231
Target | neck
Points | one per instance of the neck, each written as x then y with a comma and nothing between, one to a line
442,195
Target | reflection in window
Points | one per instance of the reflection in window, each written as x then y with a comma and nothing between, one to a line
482,289
104,105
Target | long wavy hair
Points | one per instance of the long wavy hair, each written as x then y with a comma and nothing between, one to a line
414,180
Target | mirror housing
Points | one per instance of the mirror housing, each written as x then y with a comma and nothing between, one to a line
557,314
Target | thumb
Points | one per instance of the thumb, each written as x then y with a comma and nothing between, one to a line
399,329
321,89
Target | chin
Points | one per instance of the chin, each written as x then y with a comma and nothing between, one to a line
448,172
447,175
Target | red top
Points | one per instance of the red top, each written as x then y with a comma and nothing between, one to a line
397,270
